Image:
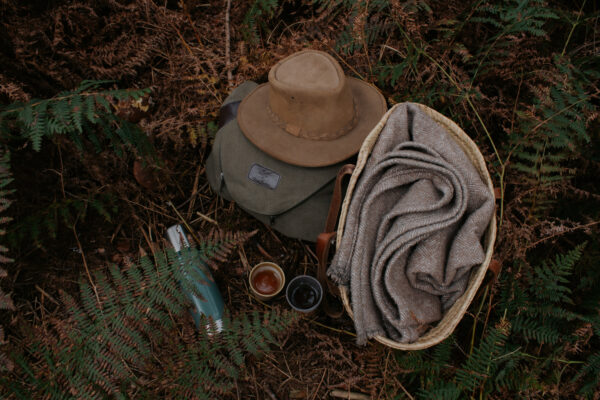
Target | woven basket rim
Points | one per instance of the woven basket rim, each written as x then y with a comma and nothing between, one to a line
452,317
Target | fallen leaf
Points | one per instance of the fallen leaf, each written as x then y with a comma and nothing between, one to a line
146,176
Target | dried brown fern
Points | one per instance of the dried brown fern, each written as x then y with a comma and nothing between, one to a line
6,302
227,243
12,91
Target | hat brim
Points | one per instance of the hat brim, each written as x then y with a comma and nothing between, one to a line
261,130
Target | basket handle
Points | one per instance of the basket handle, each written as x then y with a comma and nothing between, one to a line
325,239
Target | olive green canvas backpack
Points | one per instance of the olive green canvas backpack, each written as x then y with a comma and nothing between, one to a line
290,199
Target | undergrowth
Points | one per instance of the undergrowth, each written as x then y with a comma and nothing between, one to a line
6,302
89,117
529,97
531,346
519,76
77,114
130,323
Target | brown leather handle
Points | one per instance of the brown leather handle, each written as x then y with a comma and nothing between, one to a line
323,245
325,239
336,199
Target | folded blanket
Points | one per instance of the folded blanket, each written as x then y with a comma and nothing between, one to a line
413,230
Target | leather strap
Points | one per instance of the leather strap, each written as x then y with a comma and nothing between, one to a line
324,242
228,112
497,193
491,277
323,245
494,269
336,200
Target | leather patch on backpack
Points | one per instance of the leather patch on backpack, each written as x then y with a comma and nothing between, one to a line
264,176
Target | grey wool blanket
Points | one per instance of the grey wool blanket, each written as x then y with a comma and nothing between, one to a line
413,230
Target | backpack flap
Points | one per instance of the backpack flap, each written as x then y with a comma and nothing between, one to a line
262,184
291,199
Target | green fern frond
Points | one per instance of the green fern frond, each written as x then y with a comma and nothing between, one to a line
45,221
38,128
441,390
129,312
547,332
548,280
591,370
89,109
68,113
549,138
516,17
481,365
256,17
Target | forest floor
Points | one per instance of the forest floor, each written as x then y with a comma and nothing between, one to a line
191,54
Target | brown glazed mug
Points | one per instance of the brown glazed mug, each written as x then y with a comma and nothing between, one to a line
266,280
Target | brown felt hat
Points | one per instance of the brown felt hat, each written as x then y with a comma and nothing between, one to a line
310,114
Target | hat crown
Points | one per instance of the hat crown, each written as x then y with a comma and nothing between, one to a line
309,70
309,96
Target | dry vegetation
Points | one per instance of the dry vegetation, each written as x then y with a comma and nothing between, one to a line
520,77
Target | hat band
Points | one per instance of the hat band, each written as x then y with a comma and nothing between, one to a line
297,131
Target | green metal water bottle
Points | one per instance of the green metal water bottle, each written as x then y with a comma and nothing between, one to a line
210,303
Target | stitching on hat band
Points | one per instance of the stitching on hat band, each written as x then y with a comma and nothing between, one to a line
295,130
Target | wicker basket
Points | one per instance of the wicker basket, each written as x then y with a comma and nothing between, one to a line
452,317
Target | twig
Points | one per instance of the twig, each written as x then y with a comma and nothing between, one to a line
312,253
199,171
330,328
227,45
342,394
200,43
348,65
206,218
568,230
87,270
562,54
275,237
187,226
117,230
243,258
288,376
147,238
266,387
68,96
273,30
44,293
535,128
62,182
254,382
148,208
364,40
210,89
287,28
384,375
404,389
475,318
319,386
264,252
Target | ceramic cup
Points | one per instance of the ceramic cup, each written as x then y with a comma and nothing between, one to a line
266,280
304,293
